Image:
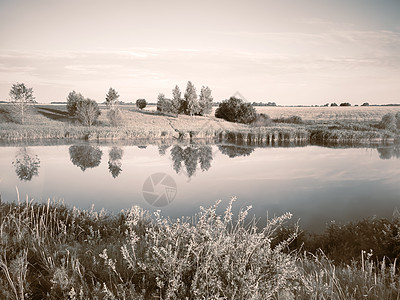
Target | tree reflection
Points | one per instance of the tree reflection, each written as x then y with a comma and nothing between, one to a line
162,149
85,156
234,151
114,162
389,152
191,156
26,165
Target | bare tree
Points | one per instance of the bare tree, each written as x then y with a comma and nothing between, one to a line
21,97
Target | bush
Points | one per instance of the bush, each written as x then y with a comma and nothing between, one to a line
345,104
290,120
262,120
389,121
235,110
141,103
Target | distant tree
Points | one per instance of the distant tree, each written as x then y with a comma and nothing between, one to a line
87,111
85,156
73,99
191,100
205,101
235,110
26,166
365,104
334,104
326,104
176,102
112,98
160,102
141,103
114,114
21,97
345,104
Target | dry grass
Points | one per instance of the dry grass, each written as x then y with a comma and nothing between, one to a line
48,251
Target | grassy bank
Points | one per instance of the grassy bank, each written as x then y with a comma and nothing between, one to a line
49,251
52,122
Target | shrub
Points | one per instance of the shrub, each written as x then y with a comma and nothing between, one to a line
235,110
397,116
141,103
345,104
214,258
290,120
388,122
262,120
334,104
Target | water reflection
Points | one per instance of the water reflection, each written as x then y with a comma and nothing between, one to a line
389,152
162,149
26,165
191,156
114,162
234,151
85,156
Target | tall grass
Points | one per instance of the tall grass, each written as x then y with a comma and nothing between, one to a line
48,251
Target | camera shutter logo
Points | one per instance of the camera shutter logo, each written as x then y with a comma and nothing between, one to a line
159,189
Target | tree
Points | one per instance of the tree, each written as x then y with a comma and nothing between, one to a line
345,104
176,101
334,104
205,101
73,99
191,100
164,104
87,111
21,97
114,113
85,156
365,104
141,103
112,98
235,110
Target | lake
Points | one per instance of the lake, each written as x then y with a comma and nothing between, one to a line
316,184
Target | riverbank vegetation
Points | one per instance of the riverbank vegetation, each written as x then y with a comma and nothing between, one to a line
353,125
51,251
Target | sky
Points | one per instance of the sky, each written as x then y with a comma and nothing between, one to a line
298,52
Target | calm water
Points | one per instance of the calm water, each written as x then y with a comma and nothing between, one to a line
316,184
